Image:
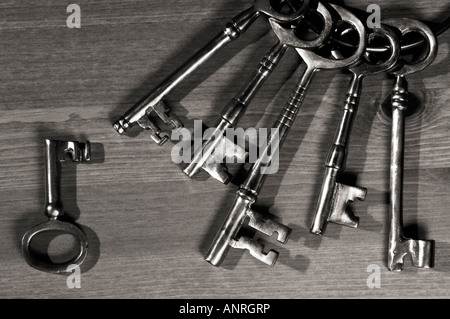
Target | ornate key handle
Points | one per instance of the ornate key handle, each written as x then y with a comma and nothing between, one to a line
421,251
153,101
57,152
247,193
334,196
206,158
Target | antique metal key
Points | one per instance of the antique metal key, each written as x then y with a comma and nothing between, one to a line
420,251
207,157
57,152
153,101
334,196
228,235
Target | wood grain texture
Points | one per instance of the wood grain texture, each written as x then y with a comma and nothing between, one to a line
148,224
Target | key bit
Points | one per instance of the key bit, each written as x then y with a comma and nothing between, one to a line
79,151
145,122
335,208
256,249
155,132
162,110
211,155
218,171
340,212
420,251
228,235
268,226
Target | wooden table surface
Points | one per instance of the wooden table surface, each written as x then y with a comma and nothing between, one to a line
147,223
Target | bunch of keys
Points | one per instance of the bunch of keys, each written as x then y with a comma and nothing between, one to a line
332,204
228,235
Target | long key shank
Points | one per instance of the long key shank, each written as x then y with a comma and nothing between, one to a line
206,157
247,194
420,251
334,196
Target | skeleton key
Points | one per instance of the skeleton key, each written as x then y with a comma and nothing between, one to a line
247,193
153,101
334,197
421,251
57,152
207,157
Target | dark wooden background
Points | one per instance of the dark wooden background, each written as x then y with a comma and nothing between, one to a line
147,223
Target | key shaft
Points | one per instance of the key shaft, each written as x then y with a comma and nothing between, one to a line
56,152
420,251
334,197
230,116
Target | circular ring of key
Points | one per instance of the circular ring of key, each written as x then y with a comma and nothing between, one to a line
365,67
56,152
406,25
297,9
420,251
311,58
54,225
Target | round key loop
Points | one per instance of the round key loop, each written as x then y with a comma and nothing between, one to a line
288,37
54,225
365,67
266,7
314,60
406,25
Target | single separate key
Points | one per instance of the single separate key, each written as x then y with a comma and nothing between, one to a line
332,204
57,152
228,235
420,251
140,113
217,146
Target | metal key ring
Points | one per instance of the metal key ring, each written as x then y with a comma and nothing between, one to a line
370,68
406,25
289,38
265,6
48,226
436,28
